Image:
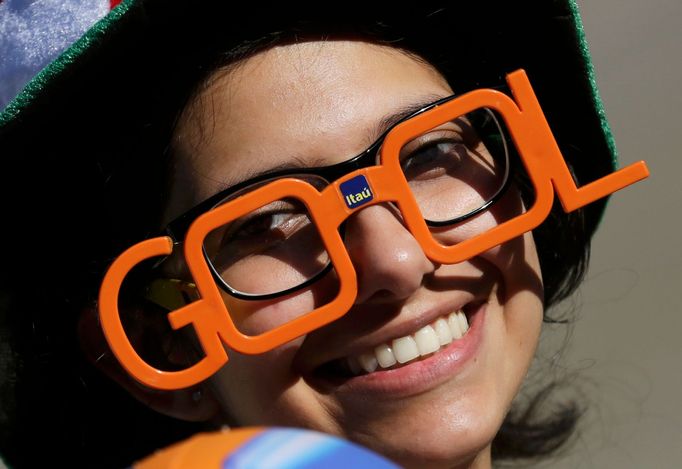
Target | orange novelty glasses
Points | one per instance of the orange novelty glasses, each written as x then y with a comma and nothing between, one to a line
280,233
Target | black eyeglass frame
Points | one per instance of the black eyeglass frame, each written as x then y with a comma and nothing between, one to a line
177,228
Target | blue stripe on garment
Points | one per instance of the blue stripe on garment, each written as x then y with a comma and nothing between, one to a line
301,449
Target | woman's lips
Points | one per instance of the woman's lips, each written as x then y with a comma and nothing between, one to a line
416,376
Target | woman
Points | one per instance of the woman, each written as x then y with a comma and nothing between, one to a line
425,363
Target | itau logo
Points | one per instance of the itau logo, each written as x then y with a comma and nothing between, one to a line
356,191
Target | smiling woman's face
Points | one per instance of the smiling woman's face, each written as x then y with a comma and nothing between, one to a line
320,103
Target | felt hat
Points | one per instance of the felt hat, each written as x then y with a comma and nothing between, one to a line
102,107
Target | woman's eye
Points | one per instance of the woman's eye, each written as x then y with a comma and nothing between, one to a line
433,159
260,225
265,227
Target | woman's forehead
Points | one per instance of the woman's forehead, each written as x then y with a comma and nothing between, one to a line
312,103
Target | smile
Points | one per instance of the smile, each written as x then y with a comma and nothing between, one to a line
449,332
402,350
411,363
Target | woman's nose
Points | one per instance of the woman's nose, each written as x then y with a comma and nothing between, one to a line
389,262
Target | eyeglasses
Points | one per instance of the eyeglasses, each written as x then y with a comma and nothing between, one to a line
279,233
454,171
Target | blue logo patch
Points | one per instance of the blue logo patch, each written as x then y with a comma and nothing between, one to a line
356,191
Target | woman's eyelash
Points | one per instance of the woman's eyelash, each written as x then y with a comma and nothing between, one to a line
261,223
429,146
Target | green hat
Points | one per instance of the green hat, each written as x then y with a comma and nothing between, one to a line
116,80
106,106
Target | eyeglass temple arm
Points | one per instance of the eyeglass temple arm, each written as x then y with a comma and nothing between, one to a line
194,312
571,196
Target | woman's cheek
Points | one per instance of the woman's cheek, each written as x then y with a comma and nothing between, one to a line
257,317
502,211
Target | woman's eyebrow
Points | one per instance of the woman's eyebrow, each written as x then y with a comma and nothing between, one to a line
376,131
389,120
293,163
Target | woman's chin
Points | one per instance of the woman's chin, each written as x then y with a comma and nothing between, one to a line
451,450
450,433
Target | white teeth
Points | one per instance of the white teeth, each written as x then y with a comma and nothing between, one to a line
425,341
463,323
405,349
385,356
455,328
443,331
368,362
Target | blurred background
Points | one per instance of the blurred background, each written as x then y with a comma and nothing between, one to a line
626,346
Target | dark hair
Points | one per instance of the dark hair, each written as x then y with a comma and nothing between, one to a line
120,194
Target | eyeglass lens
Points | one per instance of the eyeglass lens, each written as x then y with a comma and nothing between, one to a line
453,170
457,167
